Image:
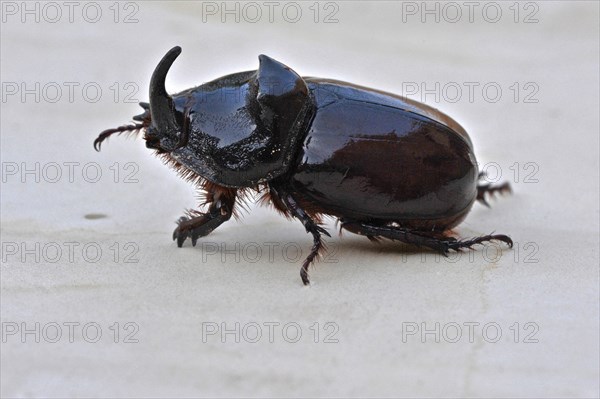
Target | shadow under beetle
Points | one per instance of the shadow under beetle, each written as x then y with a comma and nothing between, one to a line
384,165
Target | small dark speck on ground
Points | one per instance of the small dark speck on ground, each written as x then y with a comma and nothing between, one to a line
93,216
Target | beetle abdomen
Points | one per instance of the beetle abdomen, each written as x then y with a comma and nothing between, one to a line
369,159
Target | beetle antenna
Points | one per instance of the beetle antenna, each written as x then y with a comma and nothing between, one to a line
118,130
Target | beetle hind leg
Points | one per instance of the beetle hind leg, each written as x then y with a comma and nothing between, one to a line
491,189
437,241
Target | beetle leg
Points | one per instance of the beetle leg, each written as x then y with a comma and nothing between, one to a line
491,189
434,240
309,224
197,224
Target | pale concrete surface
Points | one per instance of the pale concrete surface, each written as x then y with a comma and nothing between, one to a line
377,297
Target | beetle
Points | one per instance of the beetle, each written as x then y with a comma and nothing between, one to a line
383,165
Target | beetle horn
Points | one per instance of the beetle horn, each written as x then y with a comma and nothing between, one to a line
161,103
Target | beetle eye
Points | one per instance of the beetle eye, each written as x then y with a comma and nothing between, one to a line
151,137
152,142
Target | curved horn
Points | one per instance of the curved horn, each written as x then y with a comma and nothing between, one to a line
161,104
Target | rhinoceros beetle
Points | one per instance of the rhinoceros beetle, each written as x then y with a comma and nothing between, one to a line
385,166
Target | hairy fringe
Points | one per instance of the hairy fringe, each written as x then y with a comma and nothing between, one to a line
243,196
206,189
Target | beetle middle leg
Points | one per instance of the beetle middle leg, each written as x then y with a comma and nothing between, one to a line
431,239
198,224
282,195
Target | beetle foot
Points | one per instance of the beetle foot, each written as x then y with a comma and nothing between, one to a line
457,245
315,228
483,189
193,227
310,225
196,224
315,251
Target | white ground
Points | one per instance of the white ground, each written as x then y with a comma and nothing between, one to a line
378,299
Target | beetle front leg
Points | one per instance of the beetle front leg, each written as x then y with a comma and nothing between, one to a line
197,224
311,227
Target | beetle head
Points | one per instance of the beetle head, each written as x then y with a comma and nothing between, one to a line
160,118
239,130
